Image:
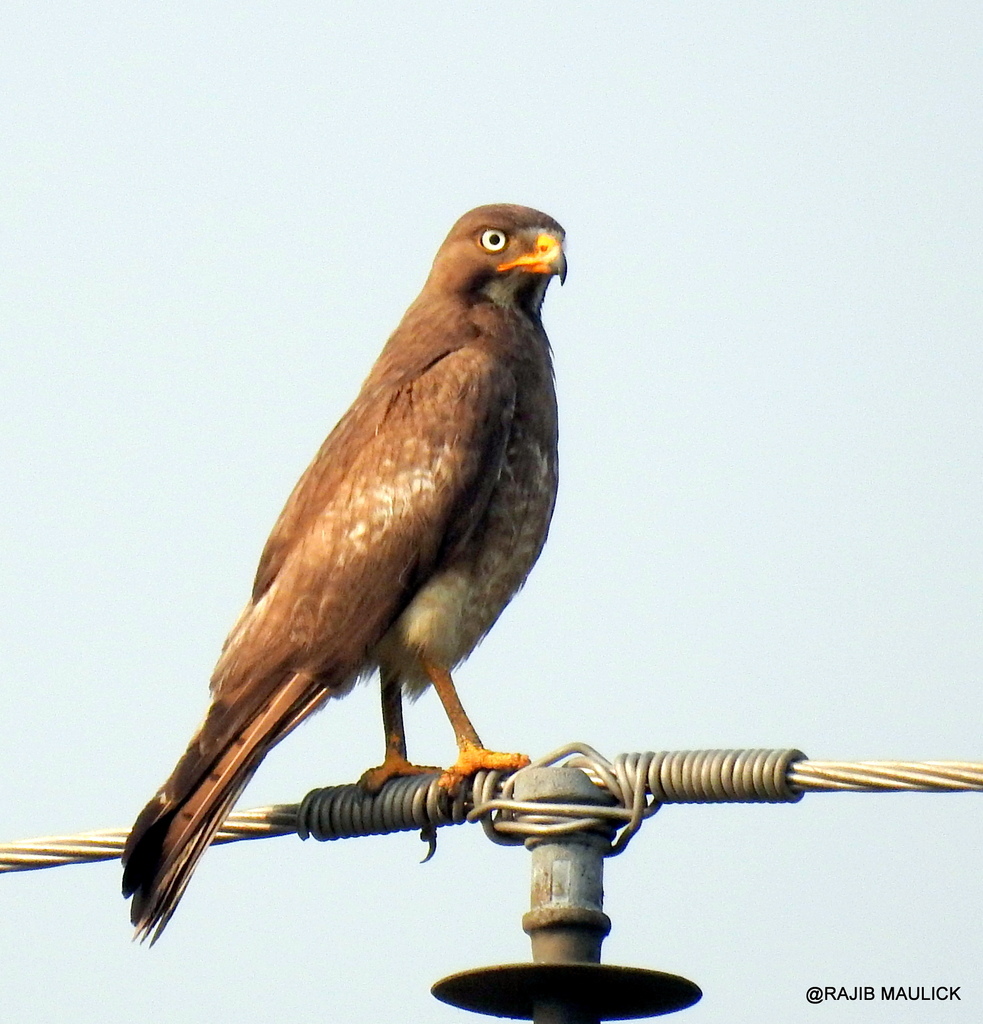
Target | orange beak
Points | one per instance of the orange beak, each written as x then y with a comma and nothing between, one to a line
546,258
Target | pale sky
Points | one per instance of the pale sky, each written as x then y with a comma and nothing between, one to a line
769,374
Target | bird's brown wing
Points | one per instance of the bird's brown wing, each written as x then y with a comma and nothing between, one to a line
398,485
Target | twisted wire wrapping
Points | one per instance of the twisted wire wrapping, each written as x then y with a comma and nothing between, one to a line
416,801
637,783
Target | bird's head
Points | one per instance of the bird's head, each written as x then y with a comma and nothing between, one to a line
506,254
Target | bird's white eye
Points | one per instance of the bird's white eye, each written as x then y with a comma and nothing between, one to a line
494,240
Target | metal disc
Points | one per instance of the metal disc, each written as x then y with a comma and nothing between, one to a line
602,990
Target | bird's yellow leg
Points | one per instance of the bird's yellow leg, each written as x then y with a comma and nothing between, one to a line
473,756
396,763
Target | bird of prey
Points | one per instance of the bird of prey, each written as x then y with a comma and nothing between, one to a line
416,523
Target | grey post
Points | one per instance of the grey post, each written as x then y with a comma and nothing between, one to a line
565,921
566,983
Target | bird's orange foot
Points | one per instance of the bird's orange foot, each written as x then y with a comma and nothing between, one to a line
476,759
395,766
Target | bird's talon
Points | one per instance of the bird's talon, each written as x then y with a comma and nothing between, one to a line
429,836
476,759
393,767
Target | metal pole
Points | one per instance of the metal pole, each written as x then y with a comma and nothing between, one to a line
565,922
566,983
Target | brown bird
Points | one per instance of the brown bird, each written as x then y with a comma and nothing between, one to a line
406,537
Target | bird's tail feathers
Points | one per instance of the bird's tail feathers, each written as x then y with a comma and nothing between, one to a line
171,835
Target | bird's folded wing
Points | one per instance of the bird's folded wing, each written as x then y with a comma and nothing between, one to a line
395,488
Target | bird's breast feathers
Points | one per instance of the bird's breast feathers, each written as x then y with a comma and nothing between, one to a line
455,608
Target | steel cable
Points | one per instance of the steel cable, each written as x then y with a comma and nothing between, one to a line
638,784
